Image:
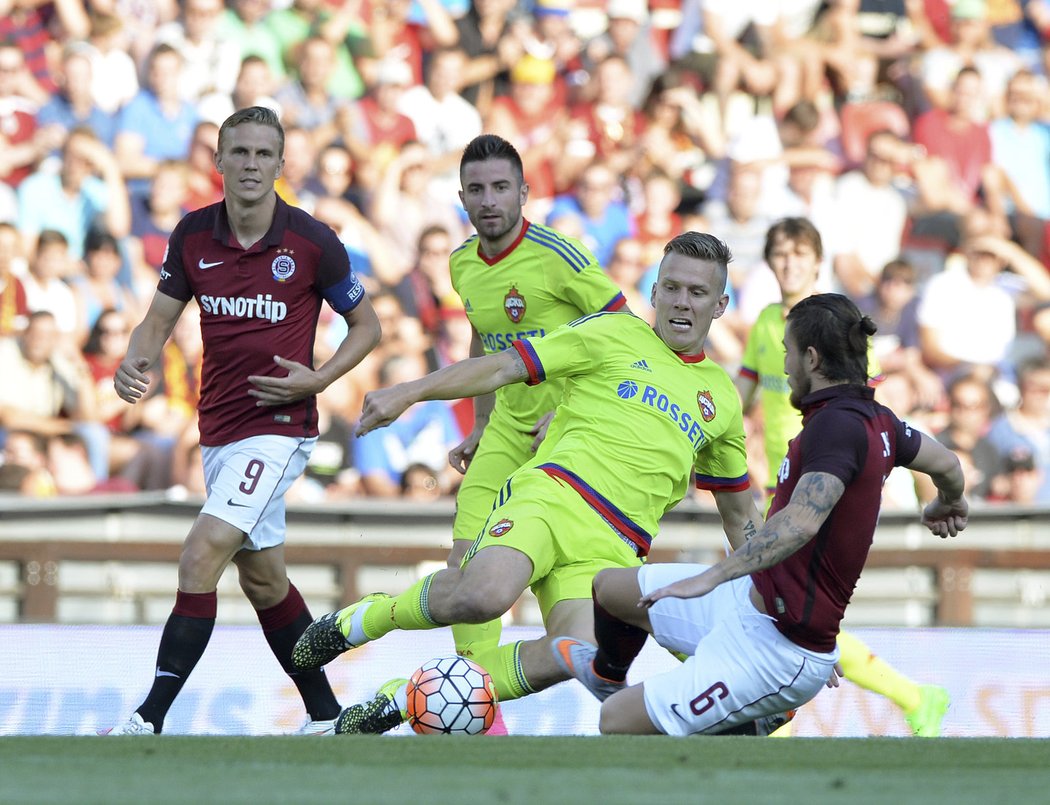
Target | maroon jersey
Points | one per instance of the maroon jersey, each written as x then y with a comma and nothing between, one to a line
256,303
847,434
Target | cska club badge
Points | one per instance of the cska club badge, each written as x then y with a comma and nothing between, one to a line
706,404
514,305
502,527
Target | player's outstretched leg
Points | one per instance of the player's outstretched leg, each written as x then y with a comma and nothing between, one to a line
925,720
924,706
576,658
386,710
333,634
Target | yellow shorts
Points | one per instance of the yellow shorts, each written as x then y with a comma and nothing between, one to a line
501,452
566,540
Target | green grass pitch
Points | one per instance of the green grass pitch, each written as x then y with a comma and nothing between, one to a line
435,770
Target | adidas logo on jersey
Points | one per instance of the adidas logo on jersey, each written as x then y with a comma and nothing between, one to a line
641,365
467,307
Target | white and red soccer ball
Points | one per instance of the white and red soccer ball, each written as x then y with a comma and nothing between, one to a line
451,696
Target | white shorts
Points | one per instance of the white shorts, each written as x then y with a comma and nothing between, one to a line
246,482
740,668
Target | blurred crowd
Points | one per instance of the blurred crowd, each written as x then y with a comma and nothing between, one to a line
913,133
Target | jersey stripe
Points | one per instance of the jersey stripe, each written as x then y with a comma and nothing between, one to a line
717,484
532,362
589,316
616,303
465,243
555,235
571,256
621,523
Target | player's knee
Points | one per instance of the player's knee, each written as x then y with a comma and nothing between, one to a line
611,721
477,605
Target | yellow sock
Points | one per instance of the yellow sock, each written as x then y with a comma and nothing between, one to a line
406,611
473,639
864,668
504,666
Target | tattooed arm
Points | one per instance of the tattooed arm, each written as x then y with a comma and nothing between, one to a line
784,533
741,518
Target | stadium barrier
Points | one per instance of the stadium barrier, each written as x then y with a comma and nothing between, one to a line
75,679
110,559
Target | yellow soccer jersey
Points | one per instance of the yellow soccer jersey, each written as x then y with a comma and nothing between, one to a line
635,420
543,280
763,362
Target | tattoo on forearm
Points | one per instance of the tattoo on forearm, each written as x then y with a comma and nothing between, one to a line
750,529
521,371
790,529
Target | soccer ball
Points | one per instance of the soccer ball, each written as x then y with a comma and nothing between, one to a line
451,696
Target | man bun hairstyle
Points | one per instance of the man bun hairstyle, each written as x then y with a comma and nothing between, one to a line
833,325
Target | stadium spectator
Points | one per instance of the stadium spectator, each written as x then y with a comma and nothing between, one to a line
46,392
46,288
628,34
209,62
406,202
87,191
970,46
97,287
1021,139
27,451
598,202
395,35
156,124
627,266
153,217
1022,433
870,215
114,76
372,128
444,121
73,106
529,117
243,519
423,435
681,135
14,307
306,102
981,291
605,125
20,147
426,291
203,179
134,454
340,24
972,407
36,28
244,22
254,87
907,383
493,34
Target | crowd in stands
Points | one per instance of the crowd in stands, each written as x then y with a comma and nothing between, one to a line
913,133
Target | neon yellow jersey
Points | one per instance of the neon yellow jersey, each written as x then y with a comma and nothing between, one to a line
540,282
635,420
763,362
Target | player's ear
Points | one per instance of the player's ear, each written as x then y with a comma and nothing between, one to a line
524,193
217,159
280,168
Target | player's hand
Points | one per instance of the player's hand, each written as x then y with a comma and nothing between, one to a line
460,456
301,381
382,407
539,430
131,380
693,587
836,673
946,519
